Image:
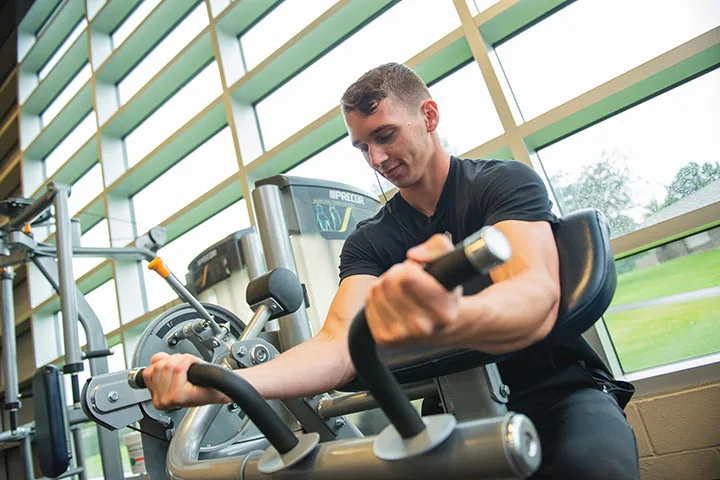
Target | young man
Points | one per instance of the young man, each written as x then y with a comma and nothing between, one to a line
566,390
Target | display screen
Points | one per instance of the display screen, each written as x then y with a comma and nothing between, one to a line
338,212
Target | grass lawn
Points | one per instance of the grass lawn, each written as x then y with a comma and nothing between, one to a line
648,337
93,464
685,274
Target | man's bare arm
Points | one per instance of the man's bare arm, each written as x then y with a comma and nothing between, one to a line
322,363
316,366
407,306
520,308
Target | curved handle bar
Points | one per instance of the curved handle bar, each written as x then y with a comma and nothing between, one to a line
479,253
242,393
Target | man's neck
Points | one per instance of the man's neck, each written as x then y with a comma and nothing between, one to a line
425,194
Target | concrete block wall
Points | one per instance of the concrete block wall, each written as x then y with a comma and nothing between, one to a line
678,433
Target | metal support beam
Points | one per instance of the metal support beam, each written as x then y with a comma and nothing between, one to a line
9,353
295,327
109,441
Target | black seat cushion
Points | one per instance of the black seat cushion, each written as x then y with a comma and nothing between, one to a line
51,434
587,285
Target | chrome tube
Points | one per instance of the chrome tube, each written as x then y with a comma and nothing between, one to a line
359,402
9,352
253,255
295,327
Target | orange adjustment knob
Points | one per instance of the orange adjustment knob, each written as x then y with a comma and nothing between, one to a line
158,266
26,229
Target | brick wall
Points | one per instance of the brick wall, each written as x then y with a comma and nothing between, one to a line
678,434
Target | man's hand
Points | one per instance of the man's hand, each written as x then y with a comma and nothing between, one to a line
166,378
406,305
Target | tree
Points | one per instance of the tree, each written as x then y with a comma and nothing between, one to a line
689,179
605,185
447,146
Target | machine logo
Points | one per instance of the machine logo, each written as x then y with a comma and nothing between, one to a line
346,196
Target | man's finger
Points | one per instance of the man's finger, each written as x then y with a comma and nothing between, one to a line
425,292
437,246
158,356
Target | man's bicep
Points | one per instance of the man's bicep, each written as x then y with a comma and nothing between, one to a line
533,249
349,299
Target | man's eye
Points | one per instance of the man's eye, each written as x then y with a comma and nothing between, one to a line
385,138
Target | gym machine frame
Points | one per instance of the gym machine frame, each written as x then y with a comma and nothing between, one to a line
17,246
487,423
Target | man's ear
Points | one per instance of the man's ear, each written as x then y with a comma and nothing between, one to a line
431,114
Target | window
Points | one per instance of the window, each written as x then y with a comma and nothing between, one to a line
173,114
70,144
165,51
133,21
279,26
652,162
91,450
667,304
589,42
77,31
477,6
103,301
72,88
85,189
179,253
317,89
185,181
341,162
467,115
97,236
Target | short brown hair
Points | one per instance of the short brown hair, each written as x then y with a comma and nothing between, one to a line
388,80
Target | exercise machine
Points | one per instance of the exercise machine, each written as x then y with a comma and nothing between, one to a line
18,245
220,274
461,378
503,446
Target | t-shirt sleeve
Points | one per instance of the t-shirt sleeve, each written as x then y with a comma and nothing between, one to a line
356,257
515,191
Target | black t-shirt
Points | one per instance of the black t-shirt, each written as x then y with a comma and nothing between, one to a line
476,193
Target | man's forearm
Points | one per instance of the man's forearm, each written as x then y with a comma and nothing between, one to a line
506,316
313,367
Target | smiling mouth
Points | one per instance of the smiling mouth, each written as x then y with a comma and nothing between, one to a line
390,171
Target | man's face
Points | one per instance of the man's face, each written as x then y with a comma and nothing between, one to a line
394,141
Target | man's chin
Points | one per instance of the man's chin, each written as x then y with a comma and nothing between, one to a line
401,183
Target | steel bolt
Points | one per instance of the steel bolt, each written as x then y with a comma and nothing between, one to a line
172,341
233,407
339,423
242,351
260,354
214,343
505,390
113,396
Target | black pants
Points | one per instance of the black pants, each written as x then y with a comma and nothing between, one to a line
583,433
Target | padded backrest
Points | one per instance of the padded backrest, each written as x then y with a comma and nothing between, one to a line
51,433
587,285
587,271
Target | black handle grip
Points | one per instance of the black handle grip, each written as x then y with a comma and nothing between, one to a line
242,393
98,353
75,385
452,269
479,253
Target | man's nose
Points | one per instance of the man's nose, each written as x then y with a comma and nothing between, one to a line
376,155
